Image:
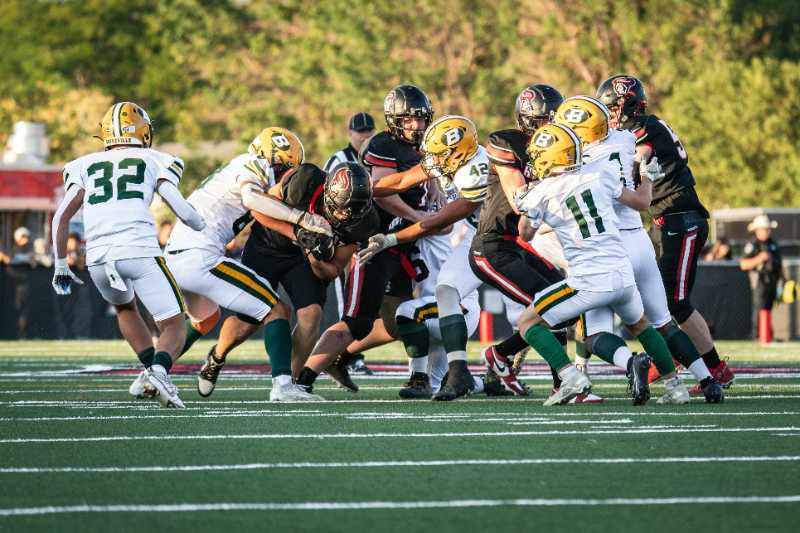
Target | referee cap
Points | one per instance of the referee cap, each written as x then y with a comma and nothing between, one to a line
361,122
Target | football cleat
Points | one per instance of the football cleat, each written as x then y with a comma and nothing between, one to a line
459,382
207,378
291,392
492,386
638,385
167,391
338,371
586,397
712,391
418,386
574,384
357,365
721,373
141,387
676,392
502,367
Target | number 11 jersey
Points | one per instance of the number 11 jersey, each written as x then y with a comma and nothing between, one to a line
119,186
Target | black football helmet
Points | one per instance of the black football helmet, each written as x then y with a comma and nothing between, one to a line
536,105
407,101
347,195
624,96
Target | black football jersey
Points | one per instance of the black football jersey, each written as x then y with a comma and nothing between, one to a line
303,189
497,218
674,193
383,150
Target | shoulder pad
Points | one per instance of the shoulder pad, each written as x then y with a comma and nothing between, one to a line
381,151
502,144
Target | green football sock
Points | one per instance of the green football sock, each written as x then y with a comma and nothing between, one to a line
545,343
656,347
454,333
146,356
415,337
278,344
163,359
606,345
191,336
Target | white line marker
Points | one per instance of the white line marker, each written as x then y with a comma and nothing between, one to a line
401,464
324,436
373,505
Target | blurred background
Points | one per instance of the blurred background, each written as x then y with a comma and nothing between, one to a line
725,74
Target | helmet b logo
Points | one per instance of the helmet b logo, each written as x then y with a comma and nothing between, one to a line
622,86
544,139
452,136
280,141
575,115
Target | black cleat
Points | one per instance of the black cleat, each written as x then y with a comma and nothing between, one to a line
338,371
712,390
418,387
492,386
638,385
357,365
459,382
209,373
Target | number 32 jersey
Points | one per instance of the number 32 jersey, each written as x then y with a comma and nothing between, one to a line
119,186
579,208
219,200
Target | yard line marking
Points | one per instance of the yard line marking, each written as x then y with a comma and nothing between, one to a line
379,505
323,436
400,464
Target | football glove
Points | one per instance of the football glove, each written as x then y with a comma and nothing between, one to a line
63,278
318,245
651,170
315,223
377,244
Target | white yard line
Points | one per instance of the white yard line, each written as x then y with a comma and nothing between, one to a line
324,436
380,505
403,464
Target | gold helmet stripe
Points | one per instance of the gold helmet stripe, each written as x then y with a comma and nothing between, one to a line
115,127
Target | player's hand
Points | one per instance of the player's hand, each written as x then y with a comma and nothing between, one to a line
651,170
377,244
315,223
63,278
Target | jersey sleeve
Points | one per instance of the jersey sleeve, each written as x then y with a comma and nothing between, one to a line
529,201
256,170
171,168
472,179
500,150
303,187
73,175
380,152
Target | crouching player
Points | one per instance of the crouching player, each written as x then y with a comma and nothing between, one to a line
577,203
115,188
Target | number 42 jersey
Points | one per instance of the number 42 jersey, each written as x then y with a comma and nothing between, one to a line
579,208
119,186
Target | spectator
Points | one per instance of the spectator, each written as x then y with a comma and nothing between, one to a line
76,308
762,259
360,128
22,251
164,231
720,251
21,260
41,254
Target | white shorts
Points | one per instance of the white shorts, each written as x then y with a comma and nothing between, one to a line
434,251
225,282
648,277
146,277
560,303
426,310
457,273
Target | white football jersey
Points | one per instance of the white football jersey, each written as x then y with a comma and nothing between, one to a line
470,182
218,199
579,208
618,151
119,187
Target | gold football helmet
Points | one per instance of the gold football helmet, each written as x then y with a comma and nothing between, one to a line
448,143
280,147
126,123
554,148
586,116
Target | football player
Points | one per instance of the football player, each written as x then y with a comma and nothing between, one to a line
676,210
577,203
115,188
408,112
589,119
210,280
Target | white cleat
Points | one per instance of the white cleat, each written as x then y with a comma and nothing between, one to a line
167,392
141,387
291,392
574,384
676,392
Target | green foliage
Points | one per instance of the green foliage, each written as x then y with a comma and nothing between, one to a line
724,72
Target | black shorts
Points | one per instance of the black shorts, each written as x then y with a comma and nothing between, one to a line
683,236
291,271
513,269
389,272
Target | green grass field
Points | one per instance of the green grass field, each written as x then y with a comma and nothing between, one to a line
76,454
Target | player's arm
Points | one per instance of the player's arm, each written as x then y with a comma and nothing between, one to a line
254,198
641,198
393,204
182,209
279,226
330,270
504,161
63,277
399,182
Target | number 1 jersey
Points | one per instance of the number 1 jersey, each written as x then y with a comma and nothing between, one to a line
119,186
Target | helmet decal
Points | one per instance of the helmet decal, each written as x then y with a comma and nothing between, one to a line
622,86
576,115
280,141
452,136
544,139
340,181
526,99
388,103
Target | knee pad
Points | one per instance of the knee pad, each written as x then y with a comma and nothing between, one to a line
681,310
359,326
248,319
448,300
208,323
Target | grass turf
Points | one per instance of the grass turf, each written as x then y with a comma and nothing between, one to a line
369,461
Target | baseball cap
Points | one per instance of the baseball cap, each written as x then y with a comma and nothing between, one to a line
361,122
21,232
